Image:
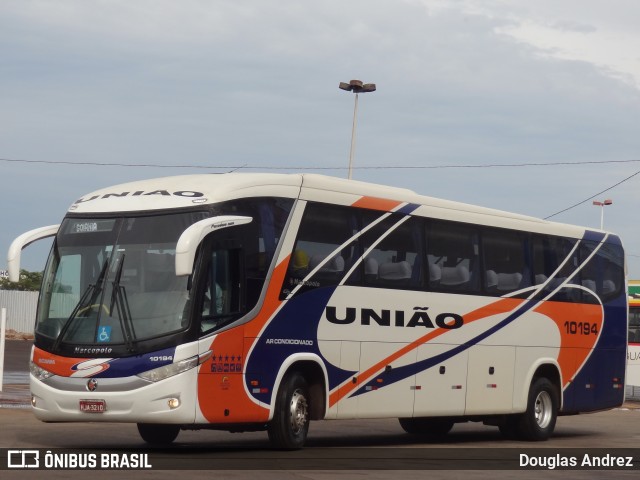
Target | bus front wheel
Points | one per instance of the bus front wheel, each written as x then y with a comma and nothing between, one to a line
290,424
157,434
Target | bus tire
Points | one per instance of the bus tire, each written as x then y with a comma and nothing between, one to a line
158,434
434,427
290,423
539,420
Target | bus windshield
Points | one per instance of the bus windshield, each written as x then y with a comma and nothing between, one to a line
112,281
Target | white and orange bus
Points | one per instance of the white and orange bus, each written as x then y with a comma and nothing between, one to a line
263,301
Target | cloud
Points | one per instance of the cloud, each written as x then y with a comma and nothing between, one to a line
593,32
573,27
227,83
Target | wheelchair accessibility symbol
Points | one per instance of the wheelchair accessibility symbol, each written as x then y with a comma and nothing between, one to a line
104,334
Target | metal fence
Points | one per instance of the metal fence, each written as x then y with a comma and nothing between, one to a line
21,309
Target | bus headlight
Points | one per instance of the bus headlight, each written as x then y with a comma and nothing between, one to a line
39,372
170,370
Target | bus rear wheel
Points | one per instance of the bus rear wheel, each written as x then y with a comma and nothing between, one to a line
435,427
539,421
158,434
290,424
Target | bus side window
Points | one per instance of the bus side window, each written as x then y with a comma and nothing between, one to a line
395,261
604,272
453,257
317,259
548,254
505,266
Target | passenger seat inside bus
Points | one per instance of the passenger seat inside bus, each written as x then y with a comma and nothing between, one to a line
331,271
608,286
370,269
540,278
395,271
455,276
503,282
435,274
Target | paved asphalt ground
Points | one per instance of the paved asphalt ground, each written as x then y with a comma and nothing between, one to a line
614,429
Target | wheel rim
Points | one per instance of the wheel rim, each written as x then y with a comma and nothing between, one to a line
543,409
298,412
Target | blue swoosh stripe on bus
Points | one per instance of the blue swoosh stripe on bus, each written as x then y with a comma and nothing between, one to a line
129,366
407,209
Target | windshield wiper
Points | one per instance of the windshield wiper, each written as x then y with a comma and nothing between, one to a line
121,302
90,292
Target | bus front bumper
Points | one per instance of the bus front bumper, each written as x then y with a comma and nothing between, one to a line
131,399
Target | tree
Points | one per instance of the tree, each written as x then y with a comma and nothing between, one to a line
29,281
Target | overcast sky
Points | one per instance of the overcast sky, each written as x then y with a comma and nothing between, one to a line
462,85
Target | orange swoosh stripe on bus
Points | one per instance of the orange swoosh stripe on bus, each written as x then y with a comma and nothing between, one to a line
577,347
374,203
501,306
64,366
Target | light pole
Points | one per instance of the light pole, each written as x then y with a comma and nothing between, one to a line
355,86
602,204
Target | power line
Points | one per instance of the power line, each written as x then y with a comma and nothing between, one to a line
232,168
593,196
116,164
307,168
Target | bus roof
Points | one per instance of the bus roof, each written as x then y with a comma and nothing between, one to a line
186,191
192,190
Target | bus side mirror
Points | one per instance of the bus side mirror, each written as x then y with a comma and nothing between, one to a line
24,240
192,236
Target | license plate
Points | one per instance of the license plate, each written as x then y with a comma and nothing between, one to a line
93,406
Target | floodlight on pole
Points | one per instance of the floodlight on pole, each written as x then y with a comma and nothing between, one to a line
355,86
602,204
